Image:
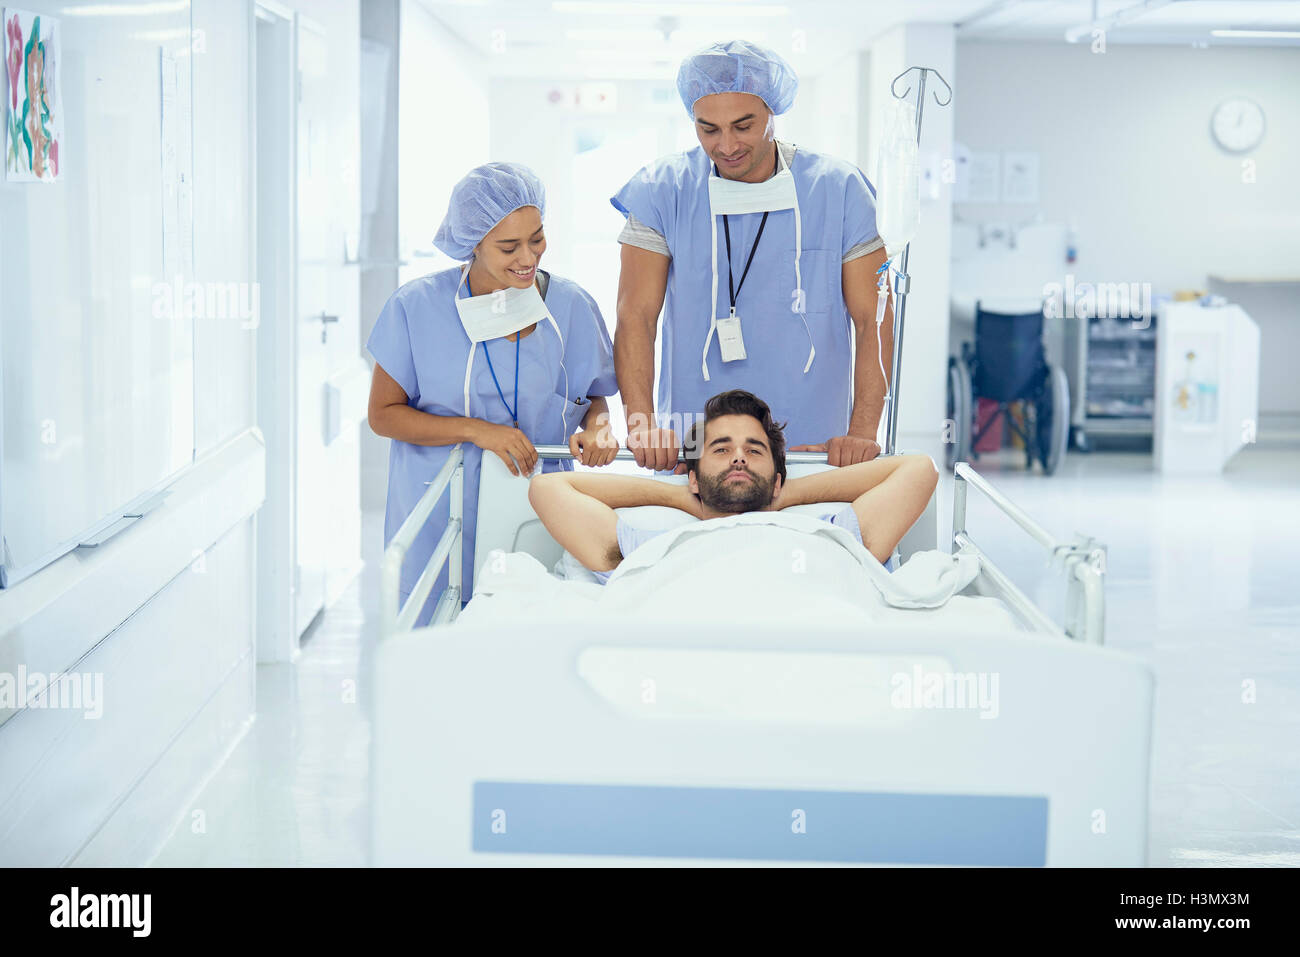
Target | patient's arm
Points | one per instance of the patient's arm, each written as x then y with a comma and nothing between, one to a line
888,496
577,508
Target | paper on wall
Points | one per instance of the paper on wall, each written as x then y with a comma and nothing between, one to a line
1020,177
982,179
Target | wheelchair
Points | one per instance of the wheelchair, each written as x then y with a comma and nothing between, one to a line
1006,365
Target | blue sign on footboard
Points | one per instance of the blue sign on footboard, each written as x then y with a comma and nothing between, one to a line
759,824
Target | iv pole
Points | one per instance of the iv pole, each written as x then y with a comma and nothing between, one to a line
903,282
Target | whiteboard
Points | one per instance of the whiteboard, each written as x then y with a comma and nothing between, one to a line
96,377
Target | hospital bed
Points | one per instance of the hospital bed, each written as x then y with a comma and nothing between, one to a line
597,742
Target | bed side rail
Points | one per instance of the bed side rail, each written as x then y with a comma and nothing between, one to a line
1083,561
562,452
396,617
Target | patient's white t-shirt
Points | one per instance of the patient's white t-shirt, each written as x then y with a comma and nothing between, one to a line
630,538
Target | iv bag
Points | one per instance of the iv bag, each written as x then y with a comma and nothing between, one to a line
898,175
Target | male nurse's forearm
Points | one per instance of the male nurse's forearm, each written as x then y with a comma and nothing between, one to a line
642,287
634,366
858,280
869,384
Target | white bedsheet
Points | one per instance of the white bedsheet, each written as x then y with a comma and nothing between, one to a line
759,566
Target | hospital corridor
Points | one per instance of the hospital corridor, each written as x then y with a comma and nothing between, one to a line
650,433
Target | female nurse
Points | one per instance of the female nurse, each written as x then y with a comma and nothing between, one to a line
494,354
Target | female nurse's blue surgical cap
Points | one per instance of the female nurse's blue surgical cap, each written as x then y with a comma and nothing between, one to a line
487,195
737,67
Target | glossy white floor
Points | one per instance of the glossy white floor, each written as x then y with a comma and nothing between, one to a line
1203,581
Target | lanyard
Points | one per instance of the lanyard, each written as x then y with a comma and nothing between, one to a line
514,413
734,291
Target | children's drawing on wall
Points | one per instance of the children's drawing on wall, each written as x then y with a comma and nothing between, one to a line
33,98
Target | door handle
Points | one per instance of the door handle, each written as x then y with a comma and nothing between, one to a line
325,320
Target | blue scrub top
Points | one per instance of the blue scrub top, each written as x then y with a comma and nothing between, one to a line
837,212
419,341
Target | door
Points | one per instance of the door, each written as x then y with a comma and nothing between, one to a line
277,405
330,400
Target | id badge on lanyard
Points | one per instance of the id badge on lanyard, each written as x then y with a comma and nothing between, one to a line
731,342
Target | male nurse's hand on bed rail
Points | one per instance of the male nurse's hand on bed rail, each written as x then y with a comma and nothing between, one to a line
595,446
510,445
844,450
653,448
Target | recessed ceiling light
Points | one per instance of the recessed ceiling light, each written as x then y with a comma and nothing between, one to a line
124,9
1259,34
693,9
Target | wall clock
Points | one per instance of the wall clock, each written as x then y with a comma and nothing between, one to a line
1238,124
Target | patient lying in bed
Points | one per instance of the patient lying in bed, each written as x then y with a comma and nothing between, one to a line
750,556
735,465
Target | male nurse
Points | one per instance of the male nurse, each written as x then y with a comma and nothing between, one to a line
764,260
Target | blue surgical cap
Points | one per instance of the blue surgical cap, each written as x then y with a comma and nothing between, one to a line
737,67
487,195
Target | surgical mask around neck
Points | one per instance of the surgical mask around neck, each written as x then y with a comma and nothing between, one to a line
734,197
499,313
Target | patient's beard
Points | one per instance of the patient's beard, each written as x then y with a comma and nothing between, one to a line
733,498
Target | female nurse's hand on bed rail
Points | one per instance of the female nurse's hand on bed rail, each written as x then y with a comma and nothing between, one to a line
509,444
595,446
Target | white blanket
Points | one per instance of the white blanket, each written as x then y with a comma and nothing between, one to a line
761,565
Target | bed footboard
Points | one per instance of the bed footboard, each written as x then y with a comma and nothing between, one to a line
644,745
